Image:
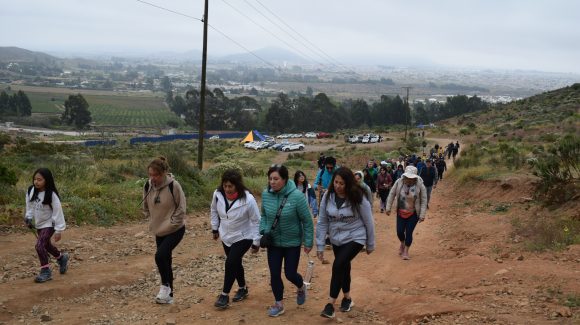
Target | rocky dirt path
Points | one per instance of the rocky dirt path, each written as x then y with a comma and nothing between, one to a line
465,269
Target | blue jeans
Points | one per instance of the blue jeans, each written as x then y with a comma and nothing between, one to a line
429,189
313,205
405,228
291,257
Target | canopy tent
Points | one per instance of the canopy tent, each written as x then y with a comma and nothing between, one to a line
253,135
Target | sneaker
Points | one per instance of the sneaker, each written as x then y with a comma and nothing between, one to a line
276,310
328,311
44,275
405,257
241,294
63,263
301,295
222,302
346,305
164,295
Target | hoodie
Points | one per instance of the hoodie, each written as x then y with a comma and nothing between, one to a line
345,224
168,214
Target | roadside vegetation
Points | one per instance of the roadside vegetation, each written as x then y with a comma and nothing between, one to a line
537,138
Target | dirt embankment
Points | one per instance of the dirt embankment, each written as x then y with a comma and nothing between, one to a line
466,268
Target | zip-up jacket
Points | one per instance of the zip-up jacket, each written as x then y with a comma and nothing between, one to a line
323,177
44,216
346,224
295,225
241,221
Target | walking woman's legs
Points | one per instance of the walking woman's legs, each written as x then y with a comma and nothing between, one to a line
234,268
163,258
340,279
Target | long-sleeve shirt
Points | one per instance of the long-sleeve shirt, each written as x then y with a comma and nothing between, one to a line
44,215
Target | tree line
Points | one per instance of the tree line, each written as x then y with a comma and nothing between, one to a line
16,104
305,113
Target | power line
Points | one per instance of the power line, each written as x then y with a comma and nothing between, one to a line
282,29
214,28
303,37
243,47
169,10
271,33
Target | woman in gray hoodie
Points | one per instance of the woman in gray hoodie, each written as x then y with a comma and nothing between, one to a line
346,215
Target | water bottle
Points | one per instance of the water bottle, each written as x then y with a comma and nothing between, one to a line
309,274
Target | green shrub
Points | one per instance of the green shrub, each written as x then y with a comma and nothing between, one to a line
559,168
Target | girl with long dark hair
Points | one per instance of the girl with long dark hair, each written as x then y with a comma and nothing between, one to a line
303,186
44,213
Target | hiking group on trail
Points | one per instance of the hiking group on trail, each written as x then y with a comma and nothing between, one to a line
284,225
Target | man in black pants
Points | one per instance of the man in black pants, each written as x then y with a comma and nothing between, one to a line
441,167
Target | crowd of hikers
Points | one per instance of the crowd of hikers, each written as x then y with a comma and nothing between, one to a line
291,219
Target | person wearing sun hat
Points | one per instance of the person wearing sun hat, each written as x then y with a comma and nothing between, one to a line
409,198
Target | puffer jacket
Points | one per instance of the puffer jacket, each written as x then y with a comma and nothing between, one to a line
295,226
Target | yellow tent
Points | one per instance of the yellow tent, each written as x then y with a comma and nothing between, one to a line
253,135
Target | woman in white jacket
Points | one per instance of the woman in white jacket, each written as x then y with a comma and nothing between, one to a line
235,218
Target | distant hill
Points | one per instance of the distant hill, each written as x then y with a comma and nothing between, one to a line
270,54
16,54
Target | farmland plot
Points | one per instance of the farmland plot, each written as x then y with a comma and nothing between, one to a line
129,111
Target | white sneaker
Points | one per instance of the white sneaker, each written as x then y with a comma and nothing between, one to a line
164,295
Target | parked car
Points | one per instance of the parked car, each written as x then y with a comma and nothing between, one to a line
292,147
322,135
375,138
310,135
366,138
215,137
353,138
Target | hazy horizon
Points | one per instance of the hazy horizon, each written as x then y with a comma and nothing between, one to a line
506,35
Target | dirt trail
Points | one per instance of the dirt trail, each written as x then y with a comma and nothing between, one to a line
465,269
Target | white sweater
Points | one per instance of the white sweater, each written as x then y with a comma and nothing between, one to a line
241,221
44,216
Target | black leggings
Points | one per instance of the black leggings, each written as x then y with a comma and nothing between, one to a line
165,246
234,267
291,257
343,255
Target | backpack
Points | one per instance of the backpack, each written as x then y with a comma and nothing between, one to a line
170,185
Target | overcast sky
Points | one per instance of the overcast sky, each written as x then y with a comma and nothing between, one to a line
505,34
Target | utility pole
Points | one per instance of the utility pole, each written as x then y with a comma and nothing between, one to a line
202,100
406,111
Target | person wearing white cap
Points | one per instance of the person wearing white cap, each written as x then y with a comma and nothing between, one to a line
409,197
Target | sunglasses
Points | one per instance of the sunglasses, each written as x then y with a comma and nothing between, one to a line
276,166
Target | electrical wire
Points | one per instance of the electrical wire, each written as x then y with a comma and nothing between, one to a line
211,26
271,33
329,58
169,10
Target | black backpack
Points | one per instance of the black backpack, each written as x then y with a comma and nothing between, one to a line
170,185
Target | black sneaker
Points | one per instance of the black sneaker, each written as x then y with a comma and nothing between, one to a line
241,294
222,302
328,311
63,263
346,305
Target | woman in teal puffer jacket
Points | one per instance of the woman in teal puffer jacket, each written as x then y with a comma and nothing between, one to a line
294,228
